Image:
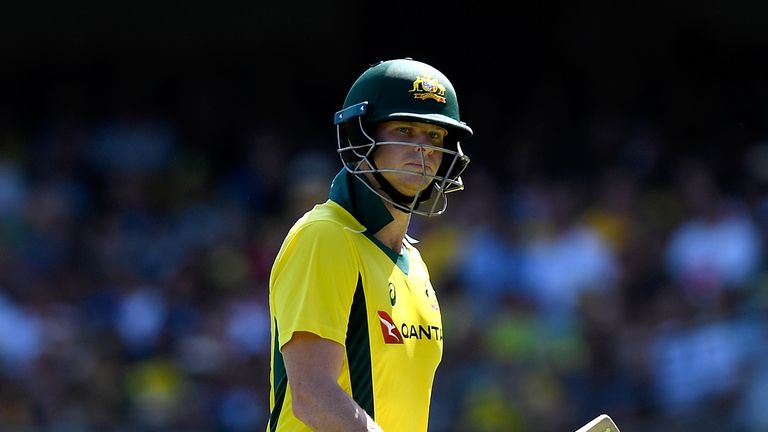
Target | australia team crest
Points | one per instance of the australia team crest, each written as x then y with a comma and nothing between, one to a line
425,87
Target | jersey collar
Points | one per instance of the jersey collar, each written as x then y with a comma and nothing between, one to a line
349,192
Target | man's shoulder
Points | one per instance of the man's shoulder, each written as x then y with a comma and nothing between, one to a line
328,216
327,226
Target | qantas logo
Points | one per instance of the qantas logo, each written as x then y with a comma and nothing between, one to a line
389,329
393,335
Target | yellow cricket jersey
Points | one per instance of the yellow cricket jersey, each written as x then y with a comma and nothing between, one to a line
333,279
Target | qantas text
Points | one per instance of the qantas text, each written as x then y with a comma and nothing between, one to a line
421,332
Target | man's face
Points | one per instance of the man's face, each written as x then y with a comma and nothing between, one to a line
415,163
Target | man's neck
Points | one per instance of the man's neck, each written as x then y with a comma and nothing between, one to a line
392,234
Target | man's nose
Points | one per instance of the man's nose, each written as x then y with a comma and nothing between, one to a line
425,145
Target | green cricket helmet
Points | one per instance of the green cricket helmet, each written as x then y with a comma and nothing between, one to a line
403,89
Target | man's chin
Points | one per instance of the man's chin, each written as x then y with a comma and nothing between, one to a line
412,191
409,185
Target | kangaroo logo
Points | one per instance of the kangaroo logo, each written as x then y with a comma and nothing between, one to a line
389,329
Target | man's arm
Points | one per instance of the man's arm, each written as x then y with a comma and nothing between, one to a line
313,365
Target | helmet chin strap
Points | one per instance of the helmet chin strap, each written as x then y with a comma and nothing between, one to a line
404,200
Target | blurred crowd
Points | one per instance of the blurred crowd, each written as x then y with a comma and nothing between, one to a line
134,271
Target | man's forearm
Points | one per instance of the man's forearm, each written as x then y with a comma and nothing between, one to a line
326,407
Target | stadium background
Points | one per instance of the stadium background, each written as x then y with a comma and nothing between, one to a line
608,254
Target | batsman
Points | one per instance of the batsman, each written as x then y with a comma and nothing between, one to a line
356,332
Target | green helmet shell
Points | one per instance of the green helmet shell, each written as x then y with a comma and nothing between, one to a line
404,89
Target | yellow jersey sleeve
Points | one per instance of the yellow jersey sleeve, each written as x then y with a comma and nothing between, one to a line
314,281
